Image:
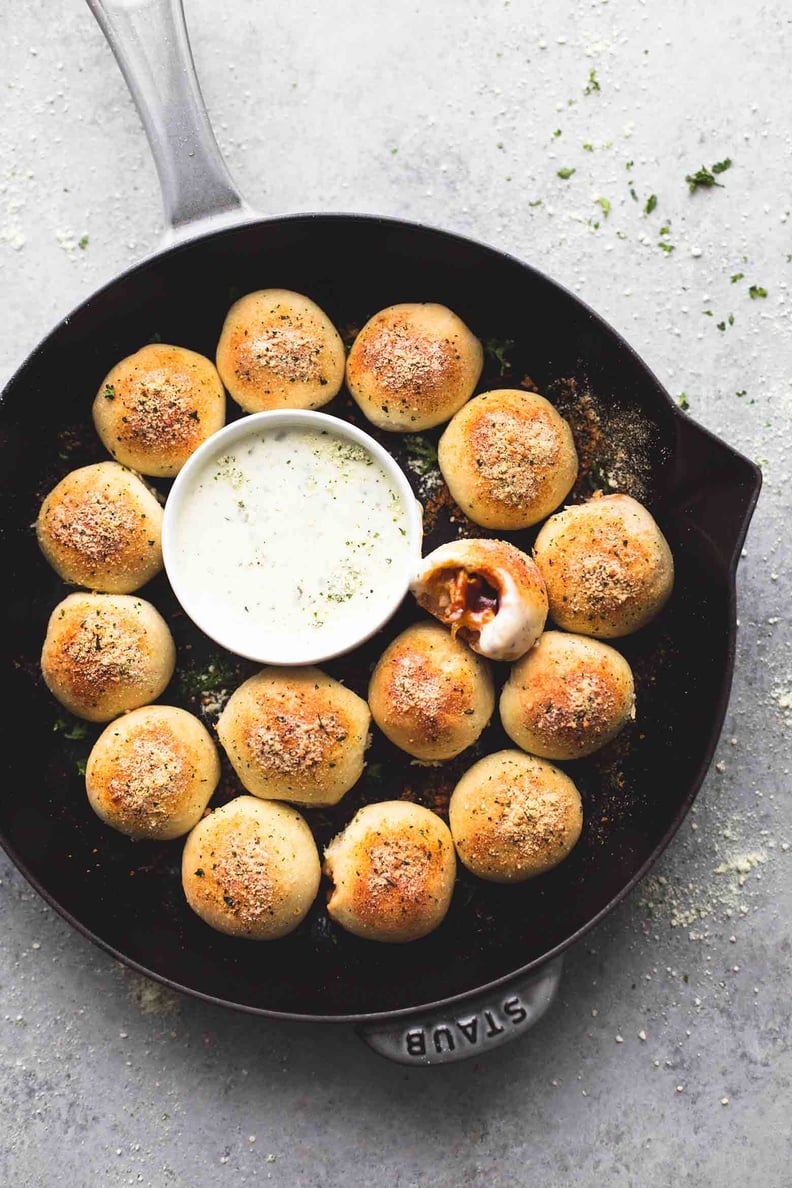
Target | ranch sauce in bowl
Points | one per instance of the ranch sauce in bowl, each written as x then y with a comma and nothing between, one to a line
290,537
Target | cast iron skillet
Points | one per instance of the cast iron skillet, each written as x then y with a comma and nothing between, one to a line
493,967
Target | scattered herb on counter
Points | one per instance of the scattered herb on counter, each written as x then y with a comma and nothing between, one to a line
683,401
83,242
629,164
737,276
742,392
651,203
394,151
707,313
721,325
665,229
604,204
705,178
666,247
422,453
757,291
633,194
557,132
588,147
536,202
497,348
565,173
592,85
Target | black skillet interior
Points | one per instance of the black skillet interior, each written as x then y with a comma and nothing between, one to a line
128,895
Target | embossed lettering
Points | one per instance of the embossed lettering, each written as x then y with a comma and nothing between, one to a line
515,1010
469,1028
415,1042
493,1028
438,1034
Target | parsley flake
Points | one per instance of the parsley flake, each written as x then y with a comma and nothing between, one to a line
705,178
757,291
565,173
592,85
651,203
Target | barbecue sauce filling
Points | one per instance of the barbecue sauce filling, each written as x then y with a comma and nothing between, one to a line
472,601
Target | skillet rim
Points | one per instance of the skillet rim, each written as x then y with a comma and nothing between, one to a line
685,424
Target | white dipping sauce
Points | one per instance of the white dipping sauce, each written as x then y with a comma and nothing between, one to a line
296,537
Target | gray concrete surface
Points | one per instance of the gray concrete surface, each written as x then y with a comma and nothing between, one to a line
667,1059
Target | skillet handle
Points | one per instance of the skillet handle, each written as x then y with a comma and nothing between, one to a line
149,39
472,1028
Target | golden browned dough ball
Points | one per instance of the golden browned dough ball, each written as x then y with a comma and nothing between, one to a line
488,592
295,734
567,697
412,366
508,459
106,653
607,566
514,816
393,870
101,527
152,772
278,349
157,406
429,694
251,869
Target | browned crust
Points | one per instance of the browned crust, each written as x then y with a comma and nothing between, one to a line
144,777
597,569
514,445
89,524
575,702
424,688
398,882
522,820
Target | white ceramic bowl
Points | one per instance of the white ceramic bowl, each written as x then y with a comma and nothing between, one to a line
215,617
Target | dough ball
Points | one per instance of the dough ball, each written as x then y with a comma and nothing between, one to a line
106,653
429,694
488,592
393,870
508,459
607,566
251,869
295,734
152,772
412,366
101,527
278,349
567,697
514,816
157,406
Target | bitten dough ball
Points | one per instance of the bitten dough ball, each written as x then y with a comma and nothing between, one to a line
508,459
567,697
157,406
488,592
393,870
295,734
607,566
251,869
152,772
429,694
514,816
106,653
101,527
412,366
278,349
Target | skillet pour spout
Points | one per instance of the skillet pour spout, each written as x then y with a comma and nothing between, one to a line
493,967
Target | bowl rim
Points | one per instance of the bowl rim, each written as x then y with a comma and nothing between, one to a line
251,424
